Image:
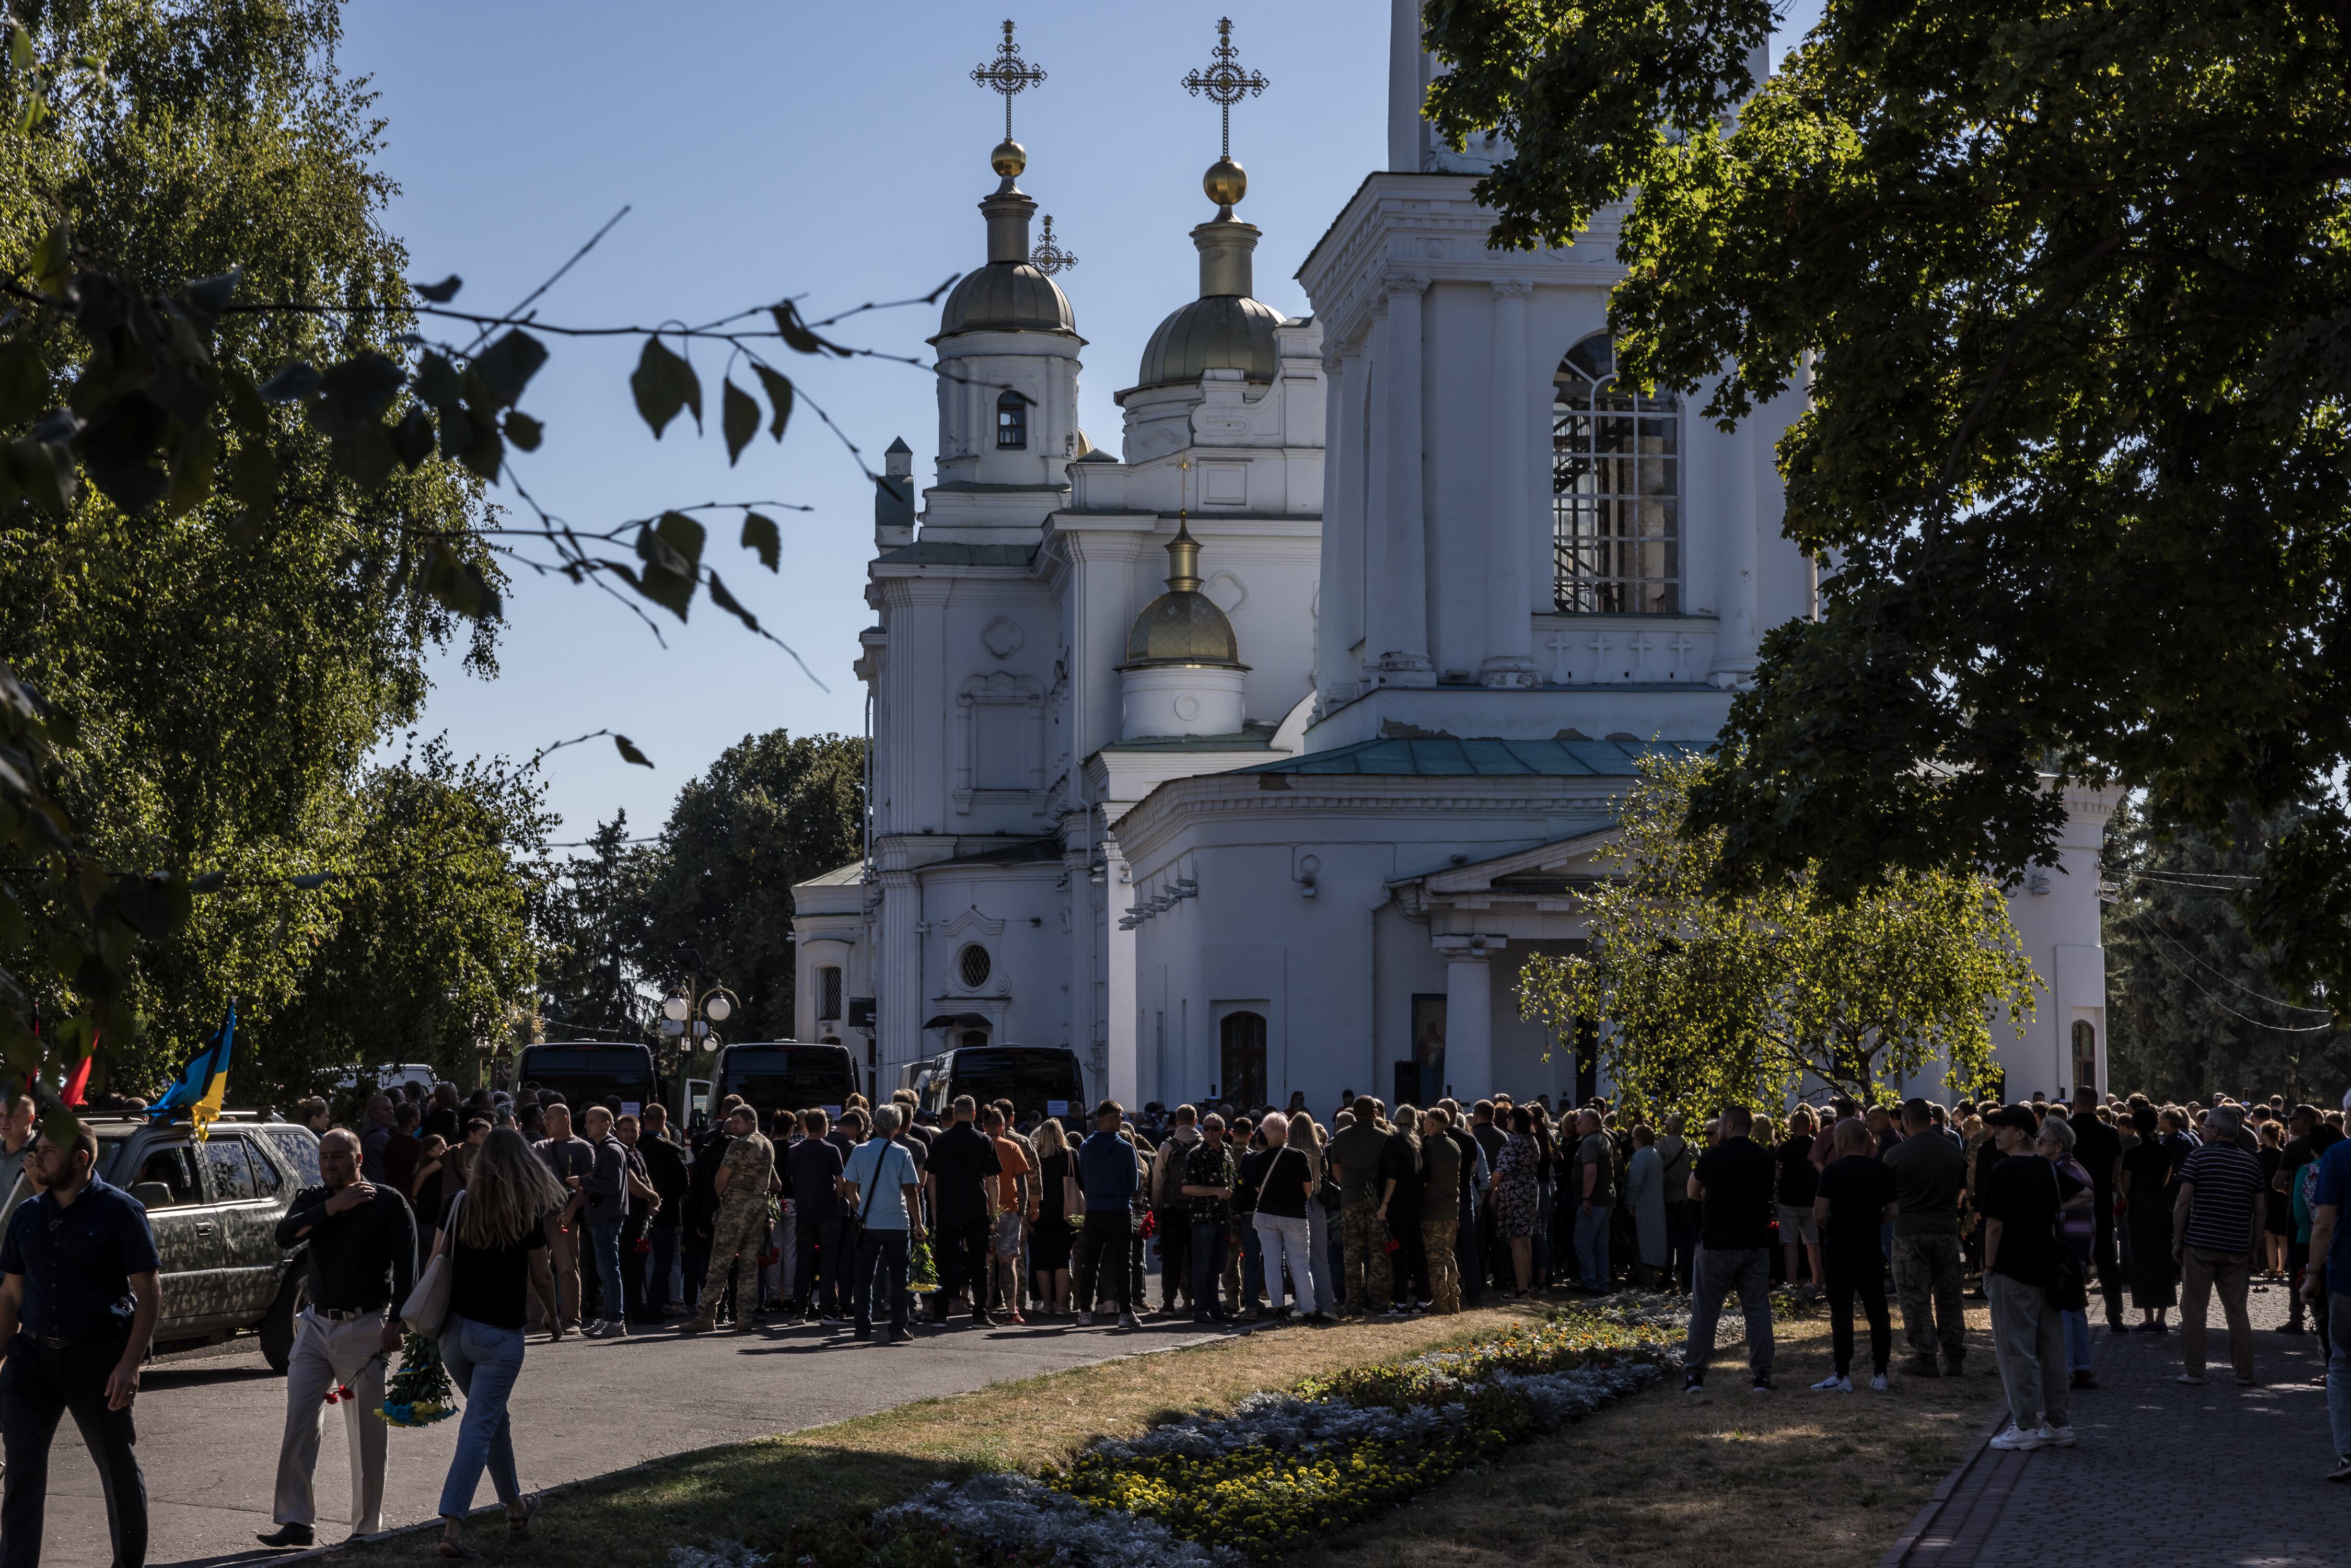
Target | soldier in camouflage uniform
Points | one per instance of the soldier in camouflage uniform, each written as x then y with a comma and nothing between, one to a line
739,1231
1355,1151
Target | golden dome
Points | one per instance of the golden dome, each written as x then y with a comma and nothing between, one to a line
1008,159
1007,296
1226,183
1182,625
1221,333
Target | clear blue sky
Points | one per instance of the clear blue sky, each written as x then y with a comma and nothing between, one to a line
827,151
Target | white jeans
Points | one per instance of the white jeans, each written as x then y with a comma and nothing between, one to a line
326,1354
1280,1238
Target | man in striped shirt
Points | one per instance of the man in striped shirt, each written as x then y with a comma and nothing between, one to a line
2216,1223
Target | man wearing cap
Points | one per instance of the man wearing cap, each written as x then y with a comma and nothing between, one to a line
2021,1200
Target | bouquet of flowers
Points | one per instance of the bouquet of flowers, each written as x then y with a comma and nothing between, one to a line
420,1392
921,1268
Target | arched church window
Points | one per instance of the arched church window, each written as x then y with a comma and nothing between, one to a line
1615,489
1011,421
2086,1055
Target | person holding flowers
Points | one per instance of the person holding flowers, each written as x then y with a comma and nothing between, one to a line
491,1235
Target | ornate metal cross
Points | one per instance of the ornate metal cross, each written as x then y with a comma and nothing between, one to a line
1048,257
1224,83
1009,74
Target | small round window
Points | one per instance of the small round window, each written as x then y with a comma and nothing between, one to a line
972,965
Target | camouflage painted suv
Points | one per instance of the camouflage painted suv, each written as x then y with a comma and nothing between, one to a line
214,1206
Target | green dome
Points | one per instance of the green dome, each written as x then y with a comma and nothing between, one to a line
1220,333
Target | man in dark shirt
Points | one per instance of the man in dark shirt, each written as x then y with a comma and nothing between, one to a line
360,1264
1928,1268
2020,1204
79,1299
962,1160
2099,1149
1853,1200
1355,1153
1732,1181
1492,1256
1401,1184
1209,1177
812,1170
665,1165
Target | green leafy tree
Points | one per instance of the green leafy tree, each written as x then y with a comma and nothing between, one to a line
592,941
1703,999
771,812
432,956
2195,1006
226,667
2066,296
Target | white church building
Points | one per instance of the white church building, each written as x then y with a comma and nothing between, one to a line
1257,758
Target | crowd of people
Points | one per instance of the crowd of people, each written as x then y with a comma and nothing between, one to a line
602,1221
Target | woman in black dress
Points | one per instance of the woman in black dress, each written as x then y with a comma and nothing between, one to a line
2146,1173
1049,1236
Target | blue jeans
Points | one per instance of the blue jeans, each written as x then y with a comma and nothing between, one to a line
484,1363
2338,1364
604,1255
881,1266
2077,1342
1591,1246
1252,1267
1318,1257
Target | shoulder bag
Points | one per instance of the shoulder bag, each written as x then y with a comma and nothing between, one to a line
427,1307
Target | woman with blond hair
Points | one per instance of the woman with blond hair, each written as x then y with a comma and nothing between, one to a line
497,1249
1049,1230
1306,1137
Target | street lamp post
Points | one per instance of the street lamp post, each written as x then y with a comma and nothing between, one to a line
688,1016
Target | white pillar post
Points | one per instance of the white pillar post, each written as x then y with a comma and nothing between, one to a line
1401,653
1509,662
1406,86
1121,1045
1737,521
1337,673
1468,1025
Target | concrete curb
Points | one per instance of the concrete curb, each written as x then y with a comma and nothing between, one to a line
1899,1552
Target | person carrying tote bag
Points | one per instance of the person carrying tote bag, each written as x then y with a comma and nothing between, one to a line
489,1255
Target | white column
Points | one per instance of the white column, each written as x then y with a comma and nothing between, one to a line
1469,1026
1401,654
1510,636
1120,1072
1406,86
899,987
1736,521
1337,673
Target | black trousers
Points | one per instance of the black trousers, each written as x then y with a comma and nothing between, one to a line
2110,1268
881,1257
1858,1266
962,1252
1108,1238
1408,1264
818,1266
1173,1232
37,1387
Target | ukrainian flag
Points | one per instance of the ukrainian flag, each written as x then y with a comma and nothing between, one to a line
203,1083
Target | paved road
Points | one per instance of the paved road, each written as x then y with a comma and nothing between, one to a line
2222,1474
208,1425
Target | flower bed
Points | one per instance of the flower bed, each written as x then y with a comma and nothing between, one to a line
1218,1490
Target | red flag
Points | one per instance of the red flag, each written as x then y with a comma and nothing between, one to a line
78,1080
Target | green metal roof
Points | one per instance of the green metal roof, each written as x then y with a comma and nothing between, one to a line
1458,759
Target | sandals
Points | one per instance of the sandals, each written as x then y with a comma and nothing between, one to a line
519,1529
457,1551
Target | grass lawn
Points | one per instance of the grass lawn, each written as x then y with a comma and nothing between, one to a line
1791,1479
758,1489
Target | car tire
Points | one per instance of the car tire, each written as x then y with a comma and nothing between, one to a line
276,1329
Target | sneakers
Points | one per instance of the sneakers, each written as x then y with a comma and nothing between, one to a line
1762,1385
605,1328
1085,1320
1877,1385
1693,1382
1126,1321
1833,1383
2189,1378
2342,1470
2085,1378
2055,1437
2018,1439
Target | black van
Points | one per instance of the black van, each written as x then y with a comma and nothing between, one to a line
786,1075
592,1072
1040,1080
